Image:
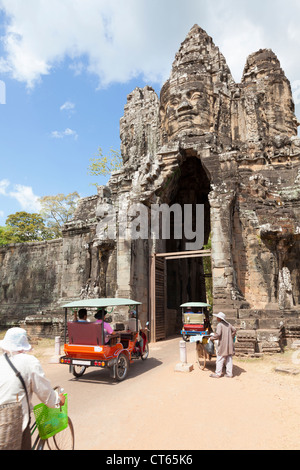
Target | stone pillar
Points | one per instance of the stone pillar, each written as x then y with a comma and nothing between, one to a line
222,264
123,268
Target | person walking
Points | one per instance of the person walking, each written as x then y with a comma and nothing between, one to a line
225,333
30,379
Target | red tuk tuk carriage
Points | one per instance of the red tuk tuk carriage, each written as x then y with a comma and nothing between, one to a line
89,346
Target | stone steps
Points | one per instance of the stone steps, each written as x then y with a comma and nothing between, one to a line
264,331
259,342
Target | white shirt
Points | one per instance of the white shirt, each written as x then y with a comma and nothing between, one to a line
34,377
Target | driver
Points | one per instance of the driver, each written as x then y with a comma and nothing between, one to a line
132,326
101,313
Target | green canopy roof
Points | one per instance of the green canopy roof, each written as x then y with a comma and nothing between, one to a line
97,303
195,304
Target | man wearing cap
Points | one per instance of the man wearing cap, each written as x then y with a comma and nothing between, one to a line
15,345
224,334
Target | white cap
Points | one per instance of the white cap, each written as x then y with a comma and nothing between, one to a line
15,340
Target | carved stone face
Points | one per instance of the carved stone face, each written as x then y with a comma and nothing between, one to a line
185,107
273,102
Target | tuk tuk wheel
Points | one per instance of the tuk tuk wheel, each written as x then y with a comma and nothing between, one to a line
122,367
185,337
201,355
78,371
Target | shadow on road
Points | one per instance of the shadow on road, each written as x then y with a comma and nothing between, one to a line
102,376
211,366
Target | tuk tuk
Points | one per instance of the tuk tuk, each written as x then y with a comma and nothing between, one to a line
89,345
195,322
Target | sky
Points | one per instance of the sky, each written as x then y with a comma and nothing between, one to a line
67,66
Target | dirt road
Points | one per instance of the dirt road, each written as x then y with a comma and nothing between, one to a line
156,408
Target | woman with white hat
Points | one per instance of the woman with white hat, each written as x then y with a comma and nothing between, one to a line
224,334
31,379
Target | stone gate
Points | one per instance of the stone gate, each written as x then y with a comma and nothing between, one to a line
207,141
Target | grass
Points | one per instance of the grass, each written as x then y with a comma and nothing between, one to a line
39,346
289,361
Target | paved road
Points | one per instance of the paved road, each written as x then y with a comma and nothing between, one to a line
156,408
121,415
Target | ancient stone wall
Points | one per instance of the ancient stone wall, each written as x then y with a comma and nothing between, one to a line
37,278
30,278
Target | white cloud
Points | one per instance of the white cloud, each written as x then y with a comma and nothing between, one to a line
23,194
117,40
66,133
243,27
26,198
3,186
67,106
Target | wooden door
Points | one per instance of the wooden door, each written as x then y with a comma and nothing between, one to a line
158,298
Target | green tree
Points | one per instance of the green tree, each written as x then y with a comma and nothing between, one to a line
7,236
208,273
104,165
58,210
24,227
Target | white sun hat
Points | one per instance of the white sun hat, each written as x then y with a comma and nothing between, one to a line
15,340
221,315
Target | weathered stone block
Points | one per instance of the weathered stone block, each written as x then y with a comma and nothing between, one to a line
268,335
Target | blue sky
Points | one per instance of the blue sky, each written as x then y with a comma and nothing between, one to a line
67,66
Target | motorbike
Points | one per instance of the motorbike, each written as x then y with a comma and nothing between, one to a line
141,348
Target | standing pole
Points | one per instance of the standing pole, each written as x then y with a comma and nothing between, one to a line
137,318
57,346
183,354
65,332
183,365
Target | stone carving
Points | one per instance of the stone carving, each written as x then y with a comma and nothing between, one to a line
197,93
138,126
232,147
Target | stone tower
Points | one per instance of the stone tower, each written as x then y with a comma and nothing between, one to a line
234,148
207,141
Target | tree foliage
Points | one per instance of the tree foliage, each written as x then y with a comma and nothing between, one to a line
58,210
208,273
24,227
104,165
7,236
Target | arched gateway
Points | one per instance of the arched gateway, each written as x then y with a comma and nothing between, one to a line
219,164
232,150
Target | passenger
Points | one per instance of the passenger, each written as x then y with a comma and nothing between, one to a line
189,311
15,345
82,315
107,328
132,327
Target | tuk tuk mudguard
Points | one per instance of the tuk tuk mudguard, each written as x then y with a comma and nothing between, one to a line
115,362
